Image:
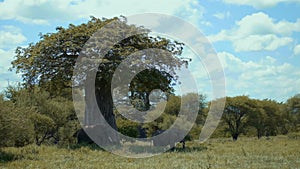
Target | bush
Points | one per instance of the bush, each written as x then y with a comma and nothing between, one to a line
128,128
67,133
15,128
6,157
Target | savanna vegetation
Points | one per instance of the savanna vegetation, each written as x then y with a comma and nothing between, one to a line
39,125
267,152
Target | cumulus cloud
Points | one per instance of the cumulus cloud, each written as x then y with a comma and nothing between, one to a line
45,11
261,42
297,50
260,23
38,12
10,36
266,78
259,4
193,12
257,32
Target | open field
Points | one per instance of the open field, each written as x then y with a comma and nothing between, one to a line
274,152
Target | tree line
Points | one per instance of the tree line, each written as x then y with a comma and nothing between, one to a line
27,118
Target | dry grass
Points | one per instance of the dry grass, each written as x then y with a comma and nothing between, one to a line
275,152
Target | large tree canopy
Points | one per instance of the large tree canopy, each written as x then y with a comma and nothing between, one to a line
50,62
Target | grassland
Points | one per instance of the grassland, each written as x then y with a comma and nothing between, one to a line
274,152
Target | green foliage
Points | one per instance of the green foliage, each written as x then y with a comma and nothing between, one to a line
173,105
235,114
23,132
128,127
49,64
167,118
43,125
66,133
42,109
251,117
6,123
44,118
15,128
36,116
146,81
163,122
194,133
293,112
266,118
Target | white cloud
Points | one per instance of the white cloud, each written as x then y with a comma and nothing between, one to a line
6,57
258,42
193,12
257,32
10,36
259,4
297,50
222,15
45,11
5,63
38,12
260,23
266,78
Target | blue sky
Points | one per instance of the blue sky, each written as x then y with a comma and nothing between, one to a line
258,42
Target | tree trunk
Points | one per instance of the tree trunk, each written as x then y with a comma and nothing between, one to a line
258,136
91,104
99,100
147,101
235,136
259,133
105,104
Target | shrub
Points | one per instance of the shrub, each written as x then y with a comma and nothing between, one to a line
128,128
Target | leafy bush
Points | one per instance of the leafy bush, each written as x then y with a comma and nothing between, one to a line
15,128
128,128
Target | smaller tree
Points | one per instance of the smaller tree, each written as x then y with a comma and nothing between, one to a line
172,108
173,105
257,119
293,108
49,116
15,128
274,119
43,127
6,123
235,114
266,117
128,127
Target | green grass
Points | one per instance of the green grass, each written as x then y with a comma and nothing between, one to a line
274,152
